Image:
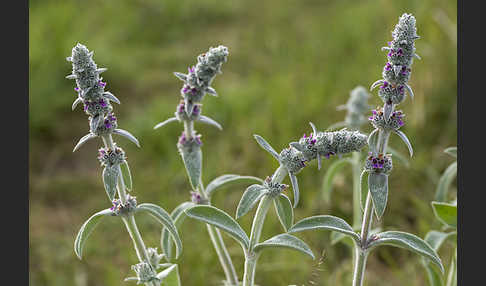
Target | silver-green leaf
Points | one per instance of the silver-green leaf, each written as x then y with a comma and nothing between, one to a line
86,229
83,140
405,140
407,241
172,119
445,182
264,144
284,210
126,175
452,151
210,121
221,180
170,276
248,200
163,218
221,220
110,178
193,162
286,241
372,140
127,135
295,188
325,222
178,216
378,186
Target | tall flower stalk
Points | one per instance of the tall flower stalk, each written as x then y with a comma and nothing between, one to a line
292,160
116,174
197,83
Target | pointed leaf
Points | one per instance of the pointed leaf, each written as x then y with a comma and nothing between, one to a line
407,241
221,220
221,180
127,135
250,197
193,162
445,182
126,175
445,213
314,130
409,90
329,176
164,218
95,122
434,276
284,210
387,111
170,276
101,70
172,119
266,146
84,140
178,216
295,188
211,91
86,229
378,186
376,83
108,95
286,241
325,222
451,151
405,140
338,236
76,102
436,238
71,76
207,120
363,190
110,178
181,76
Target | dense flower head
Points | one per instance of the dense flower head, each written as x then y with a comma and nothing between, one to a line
185,142
379,164
397,74
274,188
181,114
110,157
119,208
145,273
98,106
292,159
393,123
392,93
357,106
108,124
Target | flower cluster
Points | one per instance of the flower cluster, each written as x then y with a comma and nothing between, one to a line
119,208
91,91
274,188
379,164
181,114
145,273
110,157
330,143
198,199
293,160
154,256
401,51
189,143
394,122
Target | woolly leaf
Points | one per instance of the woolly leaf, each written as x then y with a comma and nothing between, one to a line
295,188
445,213
378,186
193,162
209,121
325,222
286,241
178,216
250,197
445,182
126,175
452,151
83,140
86,229
405,140
165,122
127,135
284,210
110,178
221,220
266,146
170,276
221,180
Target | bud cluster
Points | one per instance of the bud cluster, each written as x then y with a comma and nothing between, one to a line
145,273
379,164
292,159
189,143
198,199
394,122
110,157
274,188
357,106
119,208
153,256
181,114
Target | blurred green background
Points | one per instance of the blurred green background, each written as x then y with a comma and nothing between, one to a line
290,62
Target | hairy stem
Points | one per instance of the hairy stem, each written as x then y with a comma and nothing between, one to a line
357,215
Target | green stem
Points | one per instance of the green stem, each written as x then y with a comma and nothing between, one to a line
357,215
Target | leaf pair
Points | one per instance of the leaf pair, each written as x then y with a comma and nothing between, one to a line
110,178
373,140
225,222
202,118
120,132
254,193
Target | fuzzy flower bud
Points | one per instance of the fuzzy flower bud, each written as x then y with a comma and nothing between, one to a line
292,159
274,188
145,273
119,208
394,122
198,199
379,164
109,157
181,114
107,125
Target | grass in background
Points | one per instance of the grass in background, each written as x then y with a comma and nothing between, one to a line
290,62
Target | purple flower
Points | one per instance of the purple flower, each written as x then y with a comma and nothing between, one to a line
190,69
76,89
385,84
102,103
102,84
400,52
388,66
198,140
107,124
